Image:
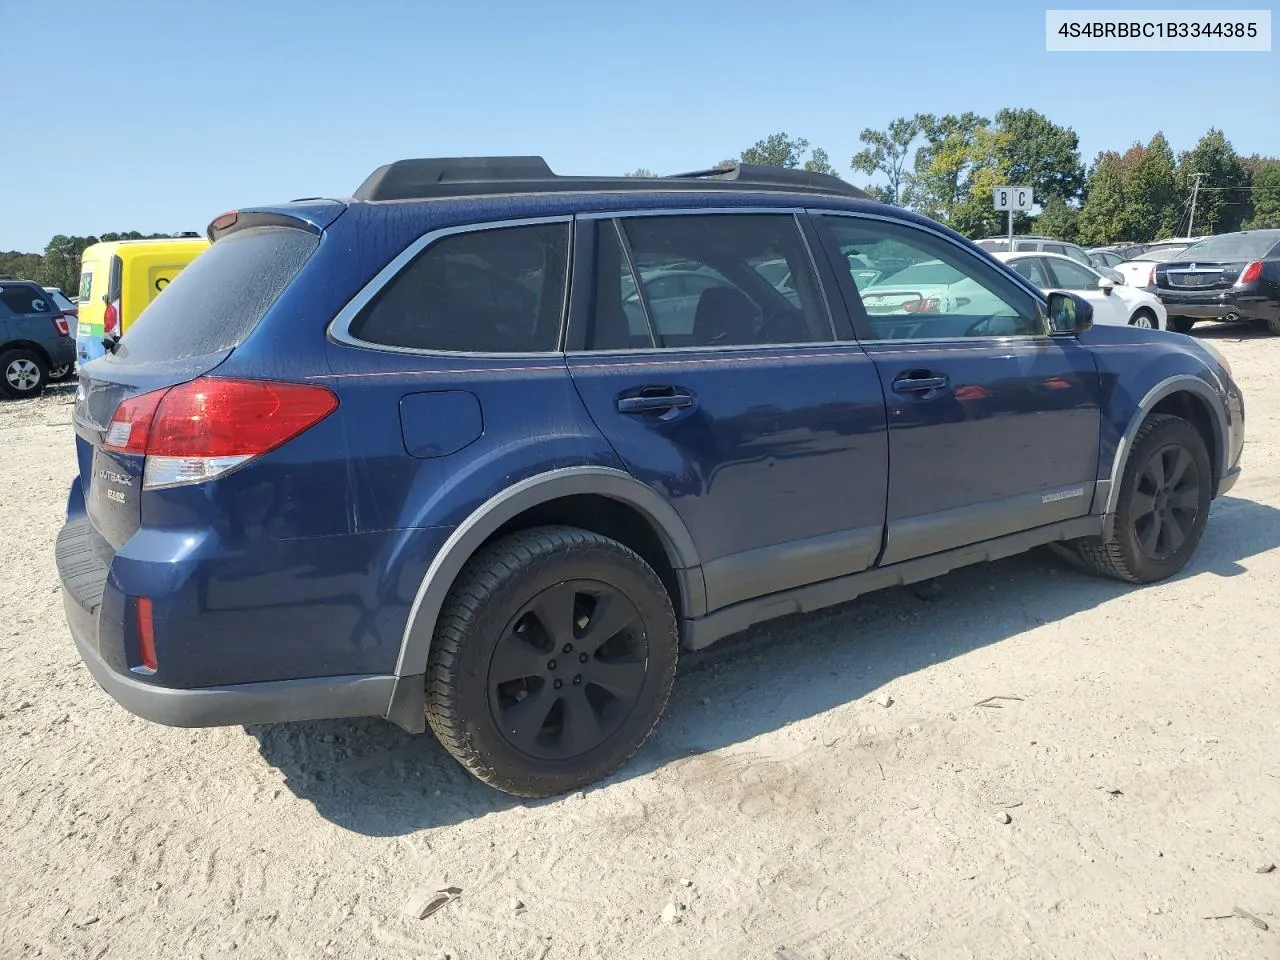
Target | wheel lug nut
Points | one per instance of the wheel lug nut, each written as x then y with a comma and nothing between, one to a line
576,680
558,684
568,648
582,658
551,664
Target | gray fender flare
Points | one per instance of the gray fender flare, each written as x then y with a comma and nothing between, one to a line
1180,383
407,699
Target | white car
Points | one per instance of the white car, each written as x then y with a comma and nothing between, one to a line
1122,304
1139,271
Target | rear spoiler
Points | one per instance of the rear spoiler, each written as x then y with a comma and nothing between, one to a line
310,215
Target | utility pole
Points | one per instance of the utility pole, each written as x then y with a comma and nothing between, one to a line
1195,188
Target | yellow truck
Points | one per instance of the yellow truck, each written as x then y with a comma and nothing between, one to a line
117,281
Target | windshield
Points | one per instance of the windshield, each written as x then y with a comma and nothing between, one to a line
1234,246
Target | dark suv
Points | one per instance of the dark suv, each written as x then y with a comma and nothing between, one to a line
36,342
482,447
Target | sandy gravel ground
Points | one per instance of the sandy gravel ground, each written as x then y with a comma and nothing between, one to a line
780,805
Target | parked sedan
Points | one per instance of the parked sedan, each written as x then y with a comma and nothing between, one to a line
1233,276
1140,272
1118,304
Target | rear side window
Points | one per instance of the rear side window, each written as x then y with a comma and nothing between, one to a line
23,299
483,291
726,280
214,303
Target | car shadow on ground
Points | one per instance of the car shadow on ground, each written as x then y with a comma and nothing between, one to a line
374,779
1239,330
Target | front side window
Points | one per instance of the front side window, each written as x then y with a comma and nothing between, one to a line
722,280
1071,276
482,291
916,285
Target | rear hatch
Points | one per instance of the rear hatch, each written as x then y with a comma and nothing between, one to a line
204,314
1215,264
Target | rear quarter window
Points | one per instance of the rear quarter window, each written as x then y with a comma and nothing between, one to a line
498,290
215,303
22,299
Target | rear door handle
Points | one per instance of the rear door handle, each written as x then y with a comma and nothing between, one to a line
647,404
918,384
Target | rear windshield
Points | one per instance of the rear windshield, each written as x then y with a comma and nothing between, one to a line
1234,246
215,303
1161,254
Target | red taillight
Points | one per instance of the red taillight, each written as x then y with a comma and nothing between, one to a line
927,305
1251,273
111,319
197,430
146,634
226,220
131,423
60,324
1151,277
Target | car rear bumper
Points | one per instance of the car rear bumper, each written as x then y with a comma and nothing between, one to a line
1214,305
102,620
272,702
62,352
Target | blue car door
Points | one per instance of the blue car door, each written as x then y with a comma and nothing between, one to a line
993,424
704,349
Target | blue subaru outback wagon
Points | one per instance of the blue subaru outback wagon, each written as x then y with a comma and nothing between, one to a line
482,447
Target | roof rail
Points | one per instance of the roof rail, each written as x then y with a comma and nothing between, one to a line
461,176
759,173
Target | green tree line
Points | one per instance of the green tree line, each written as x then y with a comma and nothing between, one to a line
945,167
59,265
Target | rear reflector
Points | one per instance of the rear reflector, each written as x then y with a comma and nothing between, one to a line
201,429
1251,273
146,634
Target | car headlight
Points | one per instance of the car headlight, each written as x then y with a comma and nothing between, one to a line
1217,355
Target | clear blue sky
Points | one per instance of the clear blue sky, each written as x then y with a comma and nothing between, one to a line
158,116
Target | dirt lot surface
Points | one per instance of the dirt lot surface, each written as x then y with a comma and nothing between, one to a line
780,804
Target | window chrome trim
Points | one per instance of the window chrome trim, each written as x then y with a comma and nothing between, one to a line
686,212
1036,293
340,326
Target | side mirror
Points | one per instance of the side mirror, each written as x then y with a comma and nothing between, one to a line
1106,285
1069,315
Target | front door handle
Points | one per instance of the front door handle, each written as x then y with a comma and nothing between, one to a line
922,384
649,403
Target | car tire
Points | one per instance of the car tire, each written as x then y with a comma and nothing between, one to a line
1181,324
58,374
1144,319
520,627
1274,326
23,374
1162,507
